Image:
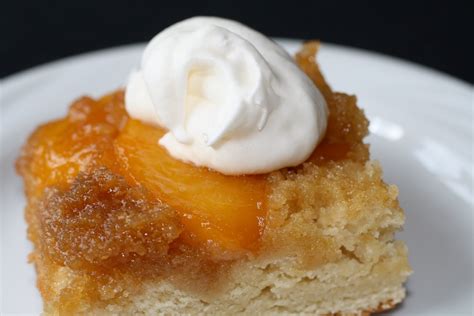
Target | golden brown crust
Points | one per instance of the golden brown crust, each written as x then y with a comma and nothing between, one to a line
90,226
383,307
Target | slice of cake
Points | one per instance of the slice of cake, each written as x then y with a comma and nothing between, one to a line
121,226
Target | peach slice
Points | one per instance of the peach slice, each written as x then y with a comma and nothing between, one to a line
57,151
218,210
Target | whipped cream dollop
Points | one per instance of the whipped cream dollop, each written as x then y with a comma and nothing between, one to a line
230,98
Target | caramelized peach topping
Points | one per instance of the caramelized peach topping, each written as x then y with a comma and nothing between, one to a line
216,212
214,208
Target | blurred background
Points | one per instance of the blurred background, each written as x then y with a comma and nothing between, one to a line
437,34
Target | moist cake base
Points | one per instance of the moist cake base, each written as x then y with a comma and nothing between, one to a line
105,244
268,287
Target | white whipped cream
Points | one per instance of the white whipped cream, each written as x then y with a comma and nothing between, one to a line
230,98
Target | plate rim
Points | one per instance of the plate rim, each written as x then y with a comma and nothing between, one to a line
20,75
58,65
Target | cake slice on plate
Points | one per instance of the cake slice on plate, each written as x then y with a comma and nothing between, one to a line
132,209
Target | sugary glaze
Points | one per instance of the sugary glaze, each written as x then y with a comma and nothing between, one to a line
106,201
222,211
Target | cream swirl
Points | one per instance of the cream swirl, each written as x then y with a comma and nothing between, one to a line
230,98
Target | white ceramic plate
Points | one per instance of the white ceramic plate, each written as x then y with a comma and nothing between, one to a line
422,132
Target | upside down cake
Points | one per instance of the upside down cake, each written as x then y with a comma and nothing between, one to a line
121,227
